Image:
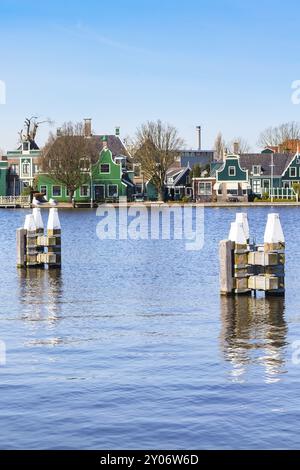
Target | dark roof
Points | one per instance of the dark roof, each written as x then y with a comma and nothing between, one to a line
33,145
114,144
281,162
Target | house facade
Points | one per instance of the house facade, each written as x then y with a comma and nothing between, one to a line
232,181
23,165
246,176
204,189
178,183
105,181
3,178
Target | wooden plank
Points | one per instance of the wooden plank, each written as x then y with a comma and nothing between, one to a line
226,266
21,247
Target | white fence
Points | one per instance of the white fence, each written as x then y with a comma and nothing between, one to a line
14,201
283,193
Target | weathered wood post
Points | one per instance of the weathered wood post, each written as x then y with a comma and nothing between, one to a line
31,241
241,250
226,266
21,247
274,247
54,230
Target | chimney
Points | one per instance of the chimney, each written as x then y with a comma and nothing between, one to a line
236,148
87,127
198,128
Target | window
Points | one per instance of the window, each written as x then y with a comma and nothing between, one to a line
232,171
56,191
35,168
43,189
257,186
205,189
170,180
137,170
256,170
105,168
26,168
84,191
293,172
287,185
112,190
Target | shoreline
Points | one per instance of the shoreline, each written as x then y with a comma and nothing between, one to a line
216,205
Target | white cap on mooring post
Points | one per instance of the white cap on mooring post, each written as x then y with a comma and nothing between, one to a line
29,224
37,214
274,232
53,219
237,233
242,218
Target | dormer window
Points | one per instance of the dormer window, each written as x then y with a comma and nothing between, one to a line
256,170
293,172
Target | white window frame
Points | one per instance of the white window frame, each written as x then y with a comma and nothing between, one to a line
105,172
88,190
115,194
256,170
56,186
294,168
231,167
27,163
256,183
205,192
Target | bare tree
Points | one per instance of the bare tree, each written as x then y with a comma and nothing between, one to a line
66,157
158,145
280,135
238,145
31,126
219,146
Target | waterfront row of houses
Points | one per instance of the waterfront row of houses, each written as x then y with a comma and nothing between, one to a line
195,175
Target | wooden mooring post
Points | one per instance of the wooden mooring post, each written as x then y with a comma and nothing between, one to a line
246,268
36,250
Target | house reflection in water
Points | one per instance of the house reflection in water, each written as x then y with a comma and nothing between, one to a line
254,336
40,294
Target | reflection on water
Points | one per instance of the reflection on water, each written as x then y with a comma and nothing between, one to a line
254,333
40,294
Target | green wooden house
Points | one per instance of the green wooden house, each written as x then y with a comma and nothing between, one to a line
3,178
232,180
106,181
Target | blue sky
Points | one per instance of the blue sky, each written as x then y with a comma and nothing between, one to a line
225,64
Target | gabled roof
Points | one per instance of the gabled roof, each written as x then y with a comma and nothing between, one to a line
280,161
114,144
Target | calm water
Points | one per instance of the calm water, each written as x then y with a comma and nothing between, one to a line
131,346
